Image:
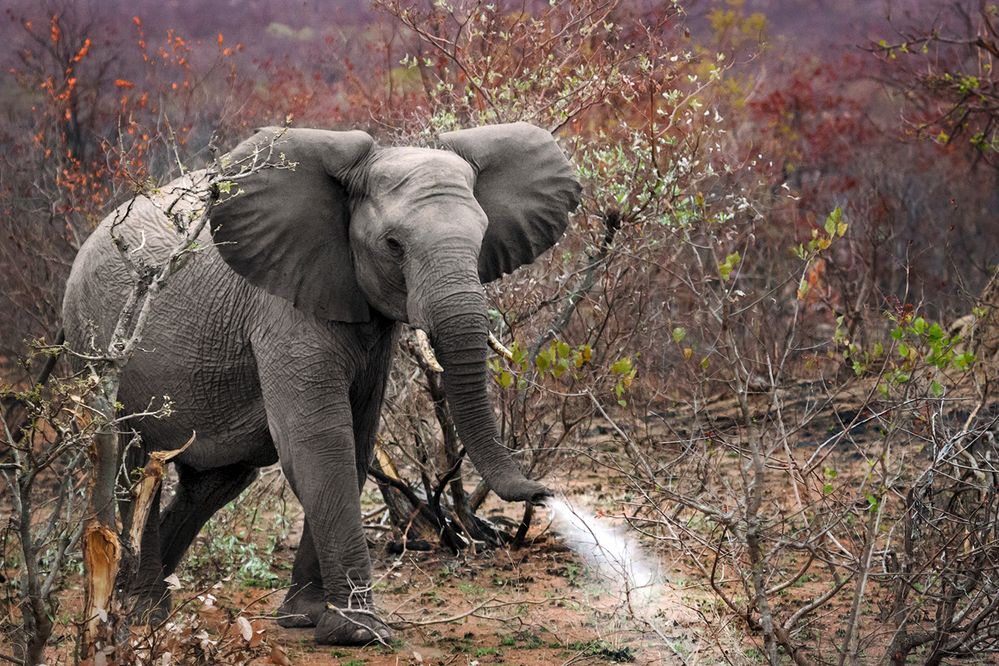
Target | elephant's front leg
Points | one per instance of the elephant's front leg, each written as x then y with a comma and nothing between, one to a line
321,468
305,377
303,605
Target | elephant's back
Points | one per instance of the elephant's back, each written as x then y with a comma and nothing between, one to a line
195,344
100,281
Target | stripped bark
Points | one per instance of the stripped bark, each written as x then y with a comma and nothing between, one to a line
145,492
101,547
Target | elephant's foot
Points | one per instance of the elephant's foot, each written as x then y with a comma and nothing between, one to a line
151,608
351,628
302,607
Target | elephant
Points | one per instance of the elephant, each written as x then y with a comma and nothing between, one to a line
274,341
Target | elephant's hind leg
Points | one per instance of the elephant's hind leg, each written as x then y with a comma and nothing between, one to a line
199,495
166,538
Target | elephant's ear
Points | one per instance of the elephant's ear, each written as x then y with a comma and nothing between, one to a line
526,187
282,221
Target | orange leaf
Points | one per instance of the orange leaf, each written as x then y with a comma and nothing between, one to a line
124,83
220,39
84,50
137,21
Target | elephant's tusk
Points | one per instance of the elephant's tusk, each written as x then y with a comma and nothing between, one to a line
426,352
499,348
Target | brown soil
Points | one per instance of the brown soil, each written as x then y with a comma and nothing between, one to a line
535,605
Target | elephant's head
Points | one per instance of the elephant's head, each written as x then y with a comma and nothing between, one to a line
341,227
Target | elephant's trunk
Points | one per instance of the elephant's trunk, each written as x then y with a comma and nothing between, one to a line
455,317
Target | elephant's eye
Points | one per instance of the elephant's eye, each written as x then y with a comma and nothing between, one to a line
394,246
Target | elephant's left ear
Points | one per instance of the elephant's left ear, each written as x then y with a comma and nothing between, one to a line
526,187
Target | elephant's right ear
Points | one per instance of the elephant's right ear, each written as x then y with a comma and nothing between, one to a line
282,220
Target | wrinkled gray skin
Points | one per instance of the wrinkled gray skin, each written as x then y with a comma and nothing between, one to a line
263,380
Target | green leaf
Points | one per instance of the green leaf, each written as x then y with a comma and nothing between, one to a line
679,334
505,379
621,366
519,355
543,361
833,222
839,334
729,265
936,389
830,226
964,361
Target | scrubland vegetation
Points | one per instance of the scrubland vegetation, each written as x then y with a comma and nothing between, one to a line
766,344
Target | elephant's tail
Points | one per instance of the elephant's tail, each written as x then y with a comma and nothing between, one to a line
15,412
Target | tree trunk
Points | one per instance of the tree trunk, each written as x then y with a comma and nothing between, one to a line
101,547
